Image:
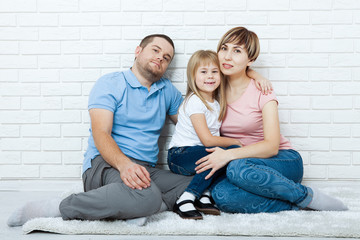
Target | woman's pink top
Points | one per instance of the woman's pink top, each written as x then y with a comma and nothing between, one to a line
243,119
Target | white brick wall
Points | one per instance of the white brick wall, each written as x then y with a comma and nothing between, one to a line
52,51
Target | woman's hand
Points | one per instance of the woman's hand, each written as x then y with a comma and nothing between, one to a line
214,161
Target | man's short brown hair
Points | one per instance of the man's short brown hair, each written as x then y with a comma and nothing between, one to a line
148,39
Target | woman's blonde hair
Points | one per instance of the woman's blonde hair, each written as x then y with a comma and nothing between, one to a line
200,58
242,36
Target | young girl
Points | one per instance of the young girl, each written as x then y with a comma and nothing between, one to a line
197,128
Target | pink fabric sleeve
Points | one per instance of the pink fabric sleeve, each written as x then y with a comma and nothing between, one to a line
263,99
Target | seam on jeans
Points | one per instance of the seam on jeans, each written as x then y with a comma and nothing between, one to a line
298,156
177,151
179,167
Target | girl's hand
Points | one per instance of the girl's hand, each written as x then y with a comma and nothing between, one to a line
264,85
216,160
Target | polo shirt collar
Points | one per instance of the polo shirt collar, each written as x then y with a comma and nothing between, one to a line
134,82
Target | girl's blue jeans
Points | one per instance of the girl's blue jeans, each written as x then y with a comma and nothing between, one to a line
181,160
253,185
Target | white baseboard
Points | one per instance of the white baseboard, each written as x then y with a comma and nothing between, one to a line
38,185
64,185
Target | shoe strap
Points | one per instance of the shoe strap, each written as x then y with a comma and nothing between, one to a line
205,196
185,202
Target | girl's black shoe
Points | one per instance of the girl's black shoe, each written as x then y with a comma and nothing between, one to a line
192,214
207,208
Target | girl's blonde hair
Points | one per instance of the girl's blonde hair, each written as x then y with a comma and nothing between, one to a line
242,36
201,58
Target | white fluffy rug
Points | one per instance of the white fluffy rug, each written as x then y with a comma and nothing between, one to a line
289,223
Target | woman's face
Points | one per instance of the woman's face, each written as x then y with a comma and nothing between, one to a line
233,59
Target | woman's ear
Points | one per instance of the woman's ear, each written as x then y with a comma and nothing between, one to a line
249,63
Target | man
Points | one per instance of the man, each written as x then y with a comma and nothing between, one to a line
127,111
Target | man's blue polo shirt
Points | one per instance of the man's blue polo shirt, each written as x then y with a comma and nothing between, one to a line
139,114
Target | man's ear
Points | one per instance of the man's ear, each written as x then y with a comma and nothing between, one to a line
249,63
138,51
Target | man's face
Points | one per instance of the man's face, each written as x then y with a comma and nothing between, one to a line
153,60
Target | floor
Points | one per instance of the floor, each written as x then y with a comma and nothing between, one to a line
10,200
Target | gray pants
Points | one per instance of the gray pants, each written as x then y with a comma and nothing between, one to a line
107,197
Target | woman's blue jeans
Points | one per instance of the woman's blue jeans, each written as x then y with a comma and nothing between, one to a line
254,185
181,160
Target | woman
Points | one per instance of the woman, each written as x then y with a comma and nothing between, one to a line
265,174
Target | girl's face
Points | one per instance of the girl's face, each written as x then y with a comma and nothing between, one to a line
207,79
233,59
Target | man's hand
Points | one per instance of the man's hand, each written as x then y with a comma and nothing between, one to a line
134,175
